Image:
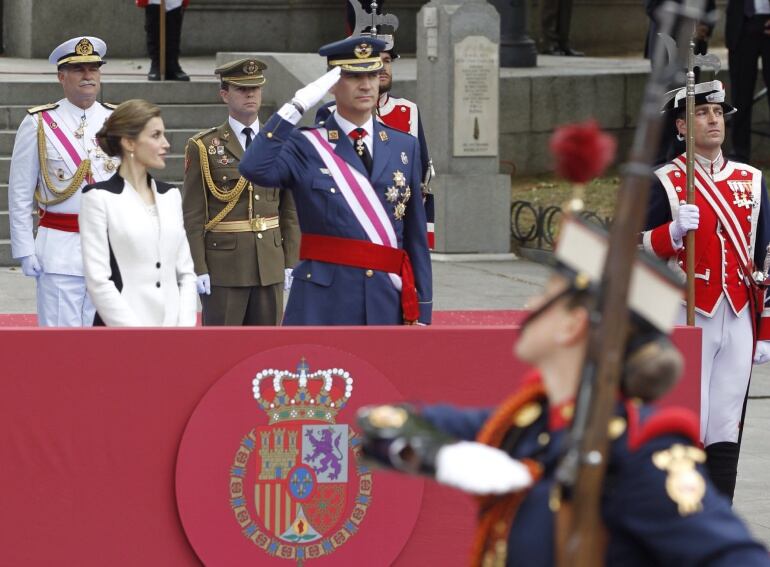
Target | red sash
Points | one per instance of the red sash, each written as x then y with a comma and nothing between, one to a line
364,254
59,221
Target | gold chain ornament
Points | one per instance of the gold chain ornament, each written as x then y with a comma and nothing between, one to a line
77,180
230,197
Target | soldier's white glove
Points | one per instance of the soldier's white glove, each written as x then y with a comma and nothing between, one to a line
762,352
30,266
287,279
686,219
307,97
204,284
480,469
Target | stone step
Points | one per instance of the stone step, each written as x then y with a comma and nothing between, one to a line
3,196
174,168
5,253
175,116
32,93
5,230
177,137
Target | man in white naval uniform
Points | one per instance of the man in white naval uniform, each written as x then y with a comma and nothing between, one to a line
55,154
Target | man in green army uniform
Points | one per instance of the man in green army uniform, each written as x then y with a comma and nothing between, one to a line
244,238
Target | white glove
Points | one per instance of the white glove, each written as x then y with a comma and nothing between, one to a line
30,266
287,279
307,97
762,352
686,219
203,284
480,469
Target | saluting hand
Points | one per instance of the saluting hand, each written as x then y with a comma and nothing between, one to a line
307,97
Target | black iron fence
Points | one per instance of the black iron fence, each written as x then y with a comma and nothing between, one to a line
536,226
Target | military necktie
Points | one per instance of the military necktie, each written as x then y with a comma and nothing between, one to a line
358,136
248,132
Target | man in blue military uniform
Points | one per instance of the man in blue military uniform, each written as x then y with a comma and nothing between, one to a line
364,252
658,506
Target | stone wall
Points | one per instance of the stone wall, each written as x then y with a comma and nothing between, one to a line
599,26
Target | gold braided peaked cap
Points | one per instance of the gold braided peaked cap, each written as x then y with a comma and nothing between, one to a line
243,72
81,49
355,54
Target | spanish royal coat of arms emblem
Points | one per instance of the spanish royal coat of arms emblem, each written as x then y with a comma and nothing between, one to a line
289,479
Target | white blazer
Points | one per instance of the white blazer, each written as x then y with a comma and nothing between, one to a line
136,275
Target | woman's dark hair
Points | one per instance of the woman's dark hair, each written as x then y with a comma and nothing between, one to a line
127,121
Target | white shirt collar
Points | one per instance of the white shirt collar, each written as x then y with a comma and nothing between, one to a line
76,111
347,127
237,128
712,167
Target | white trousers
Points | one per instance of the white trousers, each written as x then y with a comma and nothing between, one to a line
62,301
726,359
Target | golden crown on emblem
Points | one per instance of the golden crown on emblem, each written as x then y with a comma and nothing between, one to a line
302,395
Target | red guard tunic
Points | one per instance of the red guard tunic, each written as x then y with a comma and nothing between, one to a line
726,236
399,113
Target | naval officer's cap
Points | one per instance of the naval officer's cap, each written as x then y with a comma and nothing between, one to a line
356,54
242,73
82,49
710,92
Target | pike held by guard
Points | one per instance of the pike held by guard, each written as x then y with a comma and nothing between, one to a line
356,183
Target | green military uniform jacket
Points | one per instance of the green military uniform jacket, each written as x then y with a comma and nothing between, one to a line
235,259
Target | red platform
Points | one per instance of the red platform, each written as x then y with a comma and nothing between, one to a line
92,422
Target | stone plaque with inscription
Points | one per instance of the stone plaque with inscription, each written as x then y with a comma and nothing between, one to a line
476,100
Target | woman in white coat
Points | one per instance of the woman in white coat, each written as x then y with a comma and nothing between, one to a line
138,268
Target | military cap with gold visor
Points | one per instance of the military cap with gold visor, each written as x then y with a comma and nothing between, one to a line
81,49
356,54
242,72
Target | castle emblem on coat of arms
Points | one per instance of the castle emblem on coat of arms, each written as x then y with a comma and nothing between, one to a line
297,488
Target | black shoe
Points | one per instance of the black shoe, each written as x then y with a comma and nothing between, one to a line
154,73
177,75
567,50
553,50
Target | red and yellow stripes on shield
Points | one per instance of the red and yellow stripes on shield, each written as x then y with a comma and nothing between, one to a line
274,505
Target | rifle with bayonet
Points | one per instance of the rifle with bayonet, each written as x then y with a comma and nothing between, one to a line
580,474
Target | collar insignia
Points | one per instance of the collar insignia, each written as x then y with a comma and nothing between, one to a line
334,135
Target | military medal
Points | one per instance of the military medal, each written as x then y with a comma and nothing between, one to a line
226,135
399,211
80,132
360,147
404,159
109,165
399,179
220,150
215,141
212,150
392,194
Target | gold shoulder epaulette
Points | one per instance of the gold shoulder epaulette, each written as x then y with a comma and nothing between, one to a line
202,133
42,107
109,105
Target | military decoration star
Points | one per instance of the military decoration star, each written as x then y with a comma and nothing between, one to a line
399,179
392,194
399,211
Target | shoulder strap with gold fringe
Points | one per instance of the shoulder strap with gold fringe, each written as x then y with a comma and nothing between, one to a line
230,196
496,513
77,180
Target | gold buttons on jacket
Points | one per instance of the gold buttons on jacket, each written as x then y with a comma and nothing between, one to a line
369,273
269,135
256,197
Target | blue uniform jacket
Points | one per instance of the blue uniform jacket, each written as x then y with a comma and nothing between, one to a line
331,294
643,523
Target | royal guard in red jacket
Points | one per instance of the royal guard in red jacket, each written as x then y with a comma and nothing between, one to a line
174,14
731,220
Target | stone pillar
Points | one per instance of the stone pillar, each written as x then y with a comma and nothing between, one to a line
517,49
458,72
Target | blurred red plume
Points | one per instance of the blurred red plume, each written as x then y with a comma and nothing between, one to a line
582,151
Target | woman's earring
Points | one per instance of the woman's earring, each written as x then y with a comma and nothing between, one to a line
132,155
